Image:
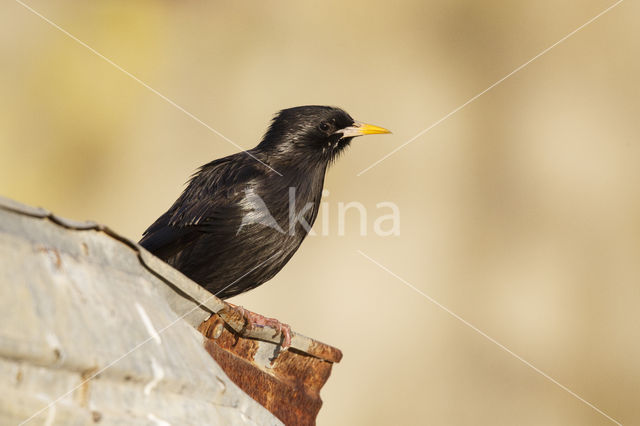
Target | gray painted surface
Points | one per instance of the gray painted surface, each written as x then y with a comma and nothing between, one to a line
81,301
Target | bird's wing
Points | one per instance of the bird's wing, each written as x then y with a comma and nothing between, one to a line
210,204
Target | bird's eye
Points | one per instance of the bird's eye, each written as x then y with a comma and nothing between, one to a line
324,126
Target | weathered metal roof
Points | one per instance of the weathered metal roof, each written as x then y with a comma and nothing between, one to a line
92,318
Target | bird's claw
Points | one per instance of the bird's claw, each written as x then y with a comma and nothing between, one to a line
253,319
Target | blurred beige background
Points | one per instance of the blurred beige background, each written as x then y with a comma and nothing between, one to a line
521,213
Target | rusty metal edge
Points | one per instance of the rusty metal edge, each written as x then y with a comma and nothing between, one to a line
204,300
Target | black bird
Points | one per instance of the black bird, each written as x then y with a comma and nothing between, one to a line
242,217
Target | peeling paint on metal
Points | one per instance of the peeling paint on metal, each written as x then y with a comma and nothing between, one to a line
148,324
54,343
157,421
51,416
158,375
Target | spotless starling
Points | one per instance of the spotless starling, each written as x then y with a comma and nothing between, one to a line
242,217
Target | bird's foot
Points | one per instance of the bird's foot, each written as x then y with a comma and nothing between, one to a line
257,320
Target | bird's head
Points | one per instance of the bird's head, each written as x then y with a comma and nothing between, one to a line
313,133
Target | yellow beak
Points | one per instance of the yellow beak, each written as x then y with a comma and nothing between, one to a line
360,129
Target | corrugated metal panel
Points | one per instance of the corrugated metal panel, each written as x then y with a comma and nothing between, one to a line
76,297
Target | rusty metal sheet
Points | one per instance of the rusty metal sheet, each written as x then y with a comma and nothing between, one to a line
286,382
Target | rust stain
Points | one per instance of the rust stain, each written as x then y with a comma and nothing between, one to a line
326,352
288,385
83,389
53,255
